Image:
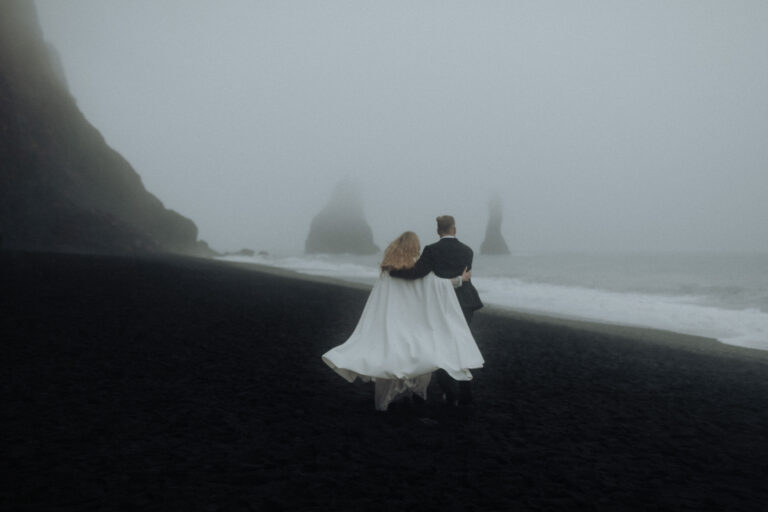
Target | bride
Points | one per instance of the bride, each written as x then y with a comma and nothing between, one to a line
408,329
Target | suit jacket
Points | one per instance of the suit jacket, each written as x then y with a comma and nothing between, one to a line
446,258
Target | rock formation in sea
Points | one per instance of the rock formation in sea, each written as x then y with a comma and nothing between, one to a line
61,186
494,241
341,227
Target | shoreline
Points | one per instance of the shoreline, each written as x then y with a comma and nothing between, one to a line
634,332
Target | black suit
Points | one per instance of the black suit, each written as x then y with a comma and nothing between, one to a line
448,258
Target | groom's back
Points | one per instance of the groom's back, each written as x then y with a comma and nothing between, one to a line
448,257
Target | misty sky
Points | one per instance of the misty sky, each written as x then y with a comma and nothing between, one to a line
603,125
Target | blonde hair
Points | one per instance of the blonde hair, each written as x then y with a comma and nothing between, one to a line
445,223
402,252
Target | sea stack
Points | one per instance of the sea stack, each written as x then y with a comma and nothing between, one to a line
341,226
62,188
494,242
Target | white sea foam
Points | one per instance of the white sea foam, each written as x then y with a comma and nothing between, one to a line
683,313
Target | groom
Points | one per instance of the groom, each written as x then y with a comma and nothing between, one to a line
448,258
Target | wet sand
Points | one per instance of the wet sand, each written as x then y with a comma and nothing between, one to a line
173,383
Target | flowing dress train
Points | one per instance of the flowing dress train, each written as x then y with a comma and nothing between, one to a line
408,329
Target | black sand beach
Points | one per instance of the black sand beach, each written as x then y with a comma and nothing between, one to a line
173,383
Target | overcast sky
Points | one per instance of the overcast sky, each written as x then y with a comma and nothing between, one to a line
604,125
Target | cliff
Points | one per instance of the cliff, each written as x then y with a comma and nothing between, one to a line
61,186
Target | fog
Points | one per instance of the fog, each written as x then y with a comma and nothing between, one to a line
612,126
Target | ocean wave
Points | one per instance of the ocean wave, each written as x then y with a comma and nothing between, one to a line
685,314
688,312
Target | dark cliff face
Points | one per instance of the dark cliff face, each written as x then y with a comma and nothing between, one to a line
61,186
494,242
341,226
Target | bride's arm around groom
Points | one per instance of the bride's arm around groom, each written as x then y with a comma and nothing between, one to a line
447,258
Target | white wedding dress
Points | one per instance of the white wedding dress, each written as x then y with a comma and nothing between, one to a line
408,329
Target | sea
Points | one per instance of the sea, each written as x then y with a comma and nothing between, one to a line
714,295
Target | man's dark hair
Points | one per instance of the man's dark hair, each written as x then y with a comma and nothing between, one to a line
445,223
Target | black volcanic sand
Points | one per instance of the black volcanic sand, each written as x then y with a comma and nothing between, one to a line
185,384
